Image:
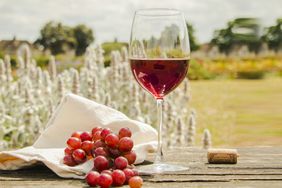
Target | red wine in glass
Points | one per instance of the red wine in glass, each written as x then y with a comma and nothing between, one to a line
159,76
159,53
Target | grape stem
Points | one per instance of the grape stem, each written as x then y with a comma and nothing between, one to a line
159,155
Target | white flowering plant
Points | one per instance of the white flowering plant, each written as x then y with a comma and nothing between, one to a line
29,95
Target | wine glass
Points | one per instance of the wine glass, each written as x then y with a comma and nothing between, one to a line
159,54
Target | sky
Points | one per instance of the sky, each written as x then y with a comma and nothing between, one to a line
112,19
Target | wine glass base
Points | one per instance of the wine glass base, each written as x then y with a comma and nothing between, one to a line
159,168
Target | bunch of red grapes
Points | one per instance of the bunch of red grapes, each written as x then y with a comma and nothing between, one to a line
112,153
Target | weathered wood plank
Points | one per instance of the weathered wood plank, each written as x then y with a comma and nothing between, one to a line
78,183
257,167
233,184
211,178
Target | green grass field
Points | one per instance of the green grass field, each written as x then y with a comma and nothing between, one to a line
239,112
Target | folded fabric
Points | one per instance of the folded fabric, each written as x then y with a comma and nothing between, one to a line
76,113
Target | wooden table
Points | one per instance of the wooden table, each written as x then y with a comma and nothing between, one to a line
257,167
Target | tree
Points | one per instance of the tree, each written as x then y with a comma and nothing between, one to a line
223,39
56,37
84,37
60,38
241,31
193,41
273,36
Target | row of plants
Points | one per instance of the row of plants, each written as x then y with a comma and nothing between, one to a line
29,95
200,68
231,68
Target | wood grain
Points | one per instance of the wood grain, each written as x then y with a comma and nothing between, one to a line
256,167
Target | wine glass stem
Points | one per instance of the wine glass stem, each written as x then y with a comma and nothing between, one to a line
159,156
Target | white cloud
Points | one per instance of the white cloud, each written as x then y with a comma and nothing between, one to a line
112,18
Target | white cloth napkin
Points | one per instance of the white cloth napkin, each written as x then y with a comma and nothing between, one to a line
76,113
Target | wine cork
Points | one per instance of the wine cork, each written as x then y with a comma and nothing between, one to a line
222,156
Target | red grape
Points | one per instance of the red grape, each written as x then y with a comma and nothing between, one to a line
87,146
95,129
101,163
112,140
76,134
136,173
97,136
99,143
85,136
124,132
79,156
74,142
118,177
107,172
114,153
105,132
92,177
128,173
68,151
68,160
121,163
101,151
125,144
130,156
104,180
135,182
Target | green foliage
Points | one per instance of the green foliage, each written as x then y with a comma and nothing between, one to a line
108,47
107,60
56,37
193,41
13,61
111,46
234,68
241,31
60,38
154,52
252,75
42,61
198,72
172,53
84,37
1,55
273,36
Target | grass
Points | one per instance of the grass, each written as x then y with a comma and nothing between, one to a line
239,112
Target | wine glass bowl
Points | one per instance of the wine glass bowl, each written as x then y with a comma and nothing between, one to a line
159,50
159,76
159,54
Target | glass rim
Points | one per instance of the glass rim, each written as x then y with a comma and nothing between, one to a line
158,12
